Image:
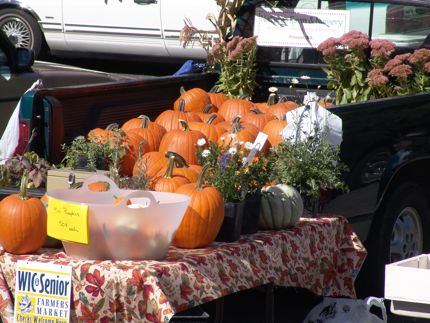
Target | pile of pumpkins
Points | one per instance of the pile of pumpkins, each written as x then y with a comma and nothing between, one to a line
166,150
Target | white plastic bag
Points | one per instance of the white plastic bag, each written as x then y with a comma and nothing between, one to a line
303,121
345,310
9,140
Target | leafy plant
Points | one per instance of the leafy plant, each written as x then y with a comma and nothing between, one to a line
230,174
13,169
310,165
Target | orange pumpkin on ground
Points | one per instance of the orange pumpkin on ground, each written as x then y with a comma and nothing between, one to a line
23,221
203,217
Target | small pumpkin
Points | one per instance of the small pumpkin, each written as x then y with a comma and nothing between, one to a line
99,186
23,221
169,182
281,207
169,119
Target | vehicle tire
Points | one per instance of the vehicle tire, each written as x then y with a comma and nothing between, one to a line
22,29
397,234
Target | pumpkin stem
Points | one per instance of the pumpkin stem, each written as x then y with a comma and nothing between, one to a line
272,99
184,125
256,110
23,185
112,126
211,118
145,121
182,90
170,166
181,105
200,179
213,89
181,163
207,108
235,124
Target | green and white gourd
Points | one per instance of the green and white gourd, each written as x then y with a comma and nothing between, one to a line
281,207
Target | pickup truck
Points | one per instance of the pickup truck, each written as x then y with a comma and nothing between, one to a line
385,141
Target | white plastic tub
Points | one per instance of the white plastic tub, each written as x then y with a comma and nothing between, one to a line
120,231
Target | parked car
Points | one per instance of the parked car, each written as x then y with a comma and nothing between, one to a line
136,28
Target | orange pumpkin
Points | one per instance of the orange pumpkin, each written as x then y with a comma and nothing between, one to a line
195,99
182,142
273,129
23,221
169,119
203,217
190,172
103,135
257,118
211,131
281,108
135,145
169,182
233,107
217,99
151,134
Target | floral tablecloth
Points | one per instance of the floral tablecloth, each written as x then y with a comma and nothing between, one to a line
323,255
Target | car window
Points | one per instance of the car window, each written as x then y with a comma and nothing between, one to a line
408,26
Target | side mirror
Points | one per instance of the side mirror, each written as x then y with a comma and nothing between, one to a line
24,58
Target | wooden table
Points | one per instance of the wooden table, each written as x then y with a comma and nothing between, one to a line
322,254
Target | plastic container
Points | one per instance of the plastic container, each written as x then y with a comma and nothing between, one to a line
121,231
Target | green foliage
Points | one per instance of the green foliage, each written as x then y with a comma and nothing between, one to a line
309,165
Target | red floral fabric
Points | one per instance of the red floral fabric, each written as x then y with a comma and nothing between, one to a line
323,255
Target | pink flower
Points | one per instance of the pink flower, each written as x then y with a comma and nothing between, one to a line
381,47
420,56
392,63
377,78
355,40
231,45
403,57
328,47
401,71
427,67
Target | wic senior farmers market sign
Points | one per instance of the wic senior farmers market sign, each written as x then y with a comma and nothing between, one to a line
42,293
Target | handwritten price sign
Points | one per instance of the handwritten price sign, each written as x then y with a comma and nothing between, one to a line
68,221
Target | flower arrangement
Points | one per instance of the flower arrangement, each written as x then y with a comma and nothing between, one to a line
233,171
361,69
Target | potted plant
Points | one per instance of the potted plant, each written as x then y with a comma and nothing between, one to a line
239,178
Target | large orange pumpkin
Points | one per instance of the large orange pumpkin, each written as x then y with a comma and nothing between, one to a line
203,217
151,164
150,132
23,221
281,108
195,99
183,142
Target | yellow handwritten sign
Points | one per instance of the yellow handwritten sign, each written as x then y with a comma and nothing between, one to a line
68,221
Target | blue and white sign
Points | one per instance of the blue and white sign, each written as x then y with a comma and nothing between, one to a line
42,292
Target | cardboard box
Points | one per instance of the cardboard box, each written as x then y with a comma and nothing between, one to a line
407,285
64,177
